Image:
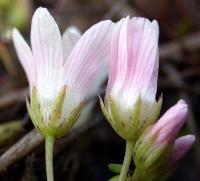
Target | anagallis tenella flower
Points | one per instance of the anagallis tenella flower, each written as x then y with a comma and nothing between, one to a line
157,151
60,70
130,104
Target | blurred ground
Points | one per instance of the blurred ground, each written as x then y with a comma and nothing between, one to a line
86,152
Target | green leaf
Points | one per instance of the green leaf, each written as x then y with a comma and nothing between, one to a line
115,178
115,168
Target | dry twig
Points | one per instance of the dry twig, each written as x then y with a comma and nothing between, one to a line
20,149
34,139
175,48
13,97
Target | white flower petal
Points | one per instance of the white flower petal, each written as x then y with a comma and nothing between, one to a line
69,39
25,55
46,44
46,39
89,55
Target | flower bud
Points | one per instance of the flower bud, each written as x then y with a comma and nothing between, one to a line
181,146
157,148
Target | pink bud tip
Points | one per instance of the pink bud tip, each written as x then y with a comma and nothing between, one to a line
181,147
170,123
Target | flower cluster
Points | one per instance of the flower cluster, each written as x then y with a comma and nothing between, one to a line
63,71
157,150
130,105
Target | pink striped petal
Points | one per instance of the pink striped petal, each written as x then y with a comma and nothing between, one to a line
46,39
69,39
94,90
134,65
25,55
88,57
168,126
118,65
181,147
143,48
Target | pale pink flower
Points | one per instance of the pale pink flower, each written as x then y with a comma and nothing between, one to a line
133,74
134,65
54,62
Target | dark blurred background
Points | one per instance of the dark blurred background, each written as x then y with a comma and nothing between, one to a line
84,154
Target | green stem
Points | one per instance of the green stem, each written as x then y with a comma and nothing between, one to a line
49,142
127,161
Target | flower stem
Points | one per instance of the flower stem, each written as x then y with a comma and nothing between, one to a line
49,142
126,162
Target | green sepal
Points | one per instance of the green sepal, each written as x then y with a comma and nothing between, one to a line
30,111
115,113
141,148
110,111
152,116
57,107
105,112
156,157
134,120
115,168
70,121
120,127
58,130
148,155
125,127
35,108
54,126
142,175
155,112
161,173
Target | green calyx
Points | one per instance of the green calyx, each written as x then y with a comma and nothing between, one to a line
55,126
141,175
154,113
129,127
148,155
125,128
